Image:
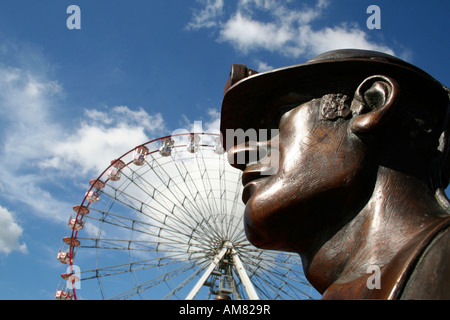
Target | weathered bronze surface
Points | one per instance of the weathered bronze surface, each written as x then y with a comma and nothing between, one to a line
358,172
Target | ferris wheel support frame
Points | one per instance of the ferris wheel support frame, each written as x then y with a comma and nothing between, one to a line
248,285
227,247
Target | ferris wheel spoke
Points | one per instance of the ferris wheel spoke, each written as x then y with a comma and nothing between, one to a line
274,279
274,265
280,275
222,198
236,200
274,273
132,266
216,195
154,193
278,270
194,192
185,173
268,286
268,292
160,219
171,236
171,216
160,213
131,245
285,271
240,239
156,242
143,227
206,182
183,284
223,179
152,283
271,259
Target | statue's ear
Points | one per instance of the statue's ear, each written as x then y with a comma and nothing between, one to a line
373,103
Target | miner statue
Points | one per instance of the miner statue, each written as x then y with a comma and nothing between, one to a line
354,178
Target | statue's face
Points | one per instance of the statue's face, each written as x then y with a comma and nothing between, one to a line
318,175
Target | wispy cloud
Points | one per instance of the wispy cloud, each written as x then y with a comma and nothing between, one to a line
210,124
27,132
101,137
207,16
284,30
10,233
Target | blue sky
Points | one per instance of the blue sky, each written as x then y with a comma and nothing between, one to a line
72,100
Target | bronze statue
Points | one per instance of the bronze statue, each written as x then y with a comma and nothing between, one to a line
360,172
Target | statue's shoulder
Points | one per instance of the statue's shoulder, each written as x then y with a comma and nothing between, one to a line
430,276
421,270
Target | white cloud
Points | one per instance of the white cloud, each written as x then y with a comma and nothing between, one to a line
213,125
283,29
40,156
104,137
339,37
27,131
207,17
10,233
263,66
247,34
209,125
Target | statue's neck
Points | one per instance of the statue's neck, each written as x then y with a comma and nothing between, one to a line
399,208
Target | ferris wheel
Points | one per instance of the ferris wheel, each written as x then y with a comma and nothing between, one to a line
164,221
